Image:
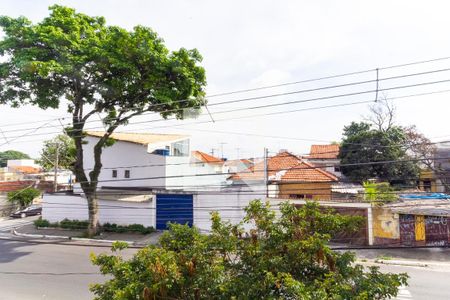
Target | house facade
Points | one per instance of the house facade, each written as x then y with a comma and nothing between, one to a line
287,176
326,157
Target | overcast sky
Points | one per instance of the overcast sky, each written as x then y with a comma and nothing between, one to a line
248,44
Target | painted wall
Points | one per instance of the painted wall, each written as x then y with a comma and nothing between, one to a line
123,156
385,224
319,190
57,207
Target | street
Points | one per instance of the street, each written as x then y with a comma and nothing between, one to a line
7,225
52,271
46,271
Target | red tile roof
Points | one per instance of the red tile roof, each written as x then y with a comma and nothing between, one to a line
306,172
25,169
204,157
285,167
324,151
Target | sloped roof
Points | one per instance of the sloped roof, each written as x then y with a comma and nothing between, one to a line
140,138
286,167
306,172
25,169
324,151
205,157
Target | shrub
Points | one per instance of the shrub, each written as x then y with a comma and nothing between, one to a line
137,228
42,223
73,224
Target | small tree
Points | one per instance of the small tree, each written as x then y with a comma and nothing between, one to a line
281,258
11,154
379,193
64,145
24,197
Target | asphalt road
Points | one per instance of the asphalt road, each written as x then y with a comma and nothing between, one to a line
50,271
45,271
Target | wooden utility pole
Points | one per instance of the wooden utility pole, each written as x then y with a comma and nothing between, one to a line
55,180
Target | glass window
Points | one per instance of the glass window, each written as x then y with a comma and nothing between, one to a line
114,173
127,174
180,148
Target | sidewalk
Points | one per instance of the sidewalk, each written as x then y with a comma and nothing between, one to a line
132,238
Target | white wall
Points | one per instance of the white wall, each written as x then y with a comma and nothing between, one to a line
180,172
57,207
230,206
126,156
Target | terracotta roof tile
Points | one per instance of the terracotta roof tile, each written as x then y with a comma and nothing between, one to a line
205,157
324,151
286,167
25,169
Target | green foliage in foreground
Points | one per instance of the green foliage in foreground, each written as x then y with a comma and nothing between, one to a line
281,258
107,227
24,197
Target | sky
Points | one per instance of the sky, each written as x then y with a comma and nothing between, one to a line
252,44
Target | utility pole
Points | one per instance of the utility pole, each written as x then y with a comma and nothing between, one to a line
266,175
221,148
55,181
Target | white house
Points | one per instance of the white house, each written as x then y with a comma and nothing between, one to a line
152,179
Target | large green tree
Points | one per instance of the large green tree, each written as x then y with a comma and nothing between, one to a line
285,257
11,154
76,60
367,152
62,147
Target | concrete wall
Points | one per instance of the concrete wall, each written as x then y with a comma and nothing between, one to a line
386,227
56,207
319,190
123,156
230,206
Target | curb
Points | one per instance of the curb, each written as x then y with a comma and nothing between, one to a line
408,263
43,236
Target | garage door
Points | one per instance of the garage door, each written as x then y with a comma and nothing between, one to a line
436,231
173,208
407,230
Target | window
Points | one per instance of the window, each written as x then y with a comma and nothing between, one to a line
337,168
180,148
427,185
114,173
127,174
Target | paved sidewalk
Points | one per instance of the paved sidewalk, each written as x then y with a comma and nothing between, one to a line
133,238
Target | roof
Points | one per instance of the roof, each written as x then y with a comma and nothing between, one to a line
324,151
25,169
430,207
205,157
424,196
140,138
306,172
286,167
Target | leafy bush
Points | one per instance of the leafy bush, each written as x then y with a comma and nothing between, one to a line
73,224
42,223
107,227
286,257
137,228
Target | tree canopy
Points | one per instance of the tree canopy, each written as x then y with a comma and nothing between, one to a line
284,257
64,145
76,60
24,197
368,152
11,154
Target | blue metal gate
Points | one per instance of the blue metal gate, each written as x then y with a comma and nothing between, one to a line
174,208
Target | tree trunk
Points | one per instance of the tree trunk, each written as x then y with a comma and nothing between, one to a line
93,215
